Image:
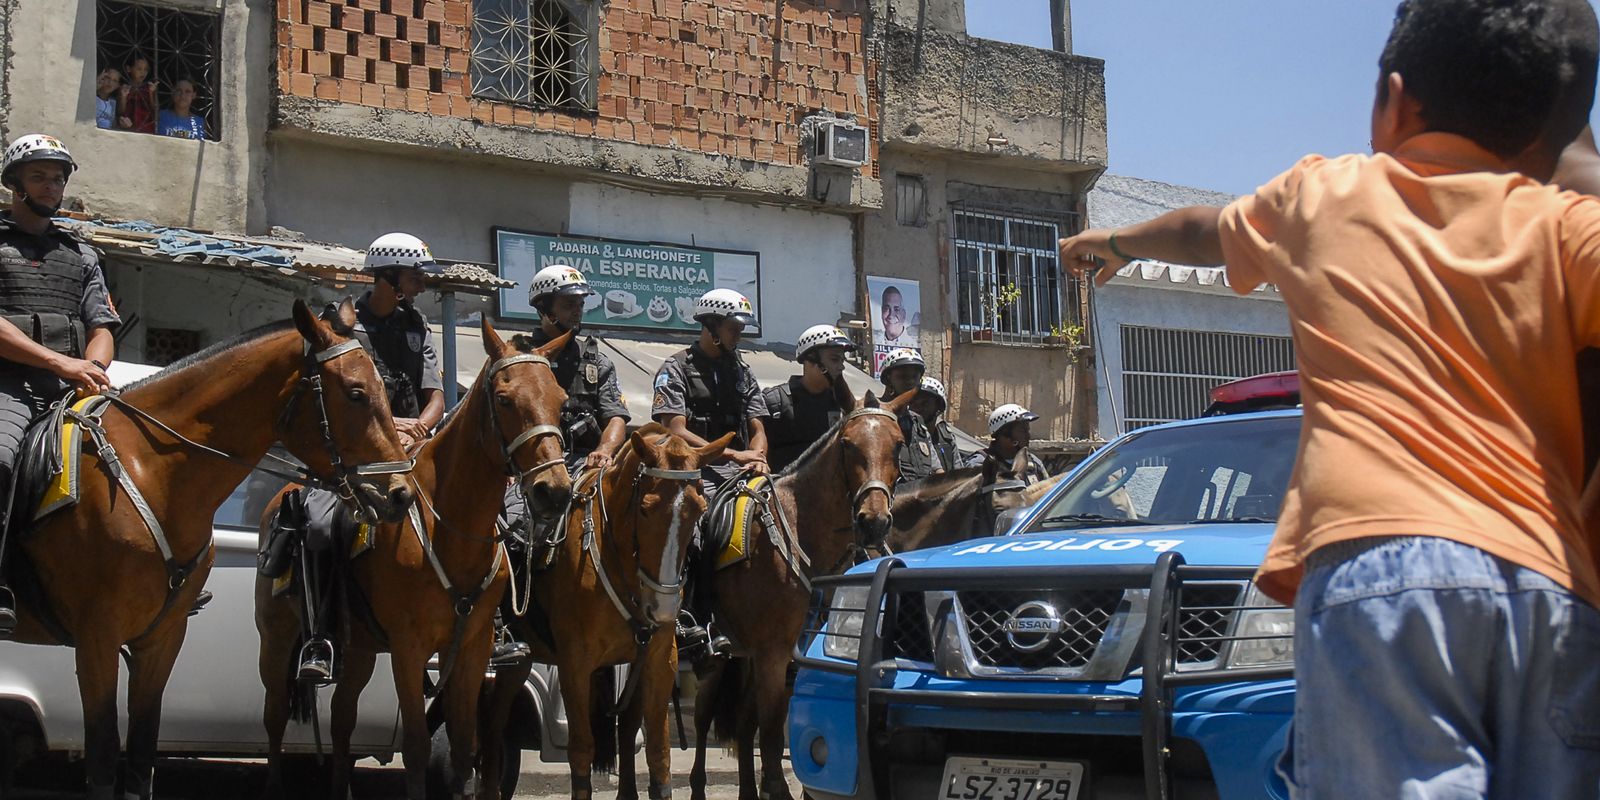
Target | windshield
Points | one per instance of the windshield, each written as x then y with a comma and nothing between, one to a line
1221,472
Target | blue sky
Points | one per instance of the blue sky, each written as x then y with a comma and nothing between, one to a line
1221,94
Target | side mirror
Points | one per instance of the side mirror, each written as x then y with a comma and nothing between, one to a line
1005,519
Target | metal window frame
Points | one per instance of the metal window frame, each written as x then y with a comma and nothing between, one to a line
581,90
1167,373
1034,270
911,190
163,52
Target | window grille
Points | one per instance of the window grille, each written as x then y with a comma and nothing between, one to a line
911,200
535,52
1168,374
178,44
162,346
1009,284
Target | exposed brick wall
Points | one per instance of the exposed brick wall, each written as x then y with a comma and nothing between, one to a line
721,77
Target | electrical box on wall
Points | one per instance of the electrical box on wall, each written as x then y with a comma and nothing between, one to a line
840,144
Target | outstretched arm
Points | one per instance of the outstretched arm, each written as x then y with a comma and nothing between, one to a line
1187,236
1578,169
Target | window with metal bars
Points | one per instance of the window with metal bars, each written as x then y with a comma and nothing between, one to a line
1168,374
539,53
177,45
911,200
1008,282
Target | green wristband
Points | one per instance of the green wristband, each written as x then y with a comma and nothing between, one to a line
1117,251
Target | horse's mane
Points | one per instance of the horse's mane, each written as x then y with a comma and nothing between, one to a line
939,484
248,337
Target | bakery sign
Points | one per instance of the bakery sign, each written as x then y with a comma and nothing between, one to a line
646,285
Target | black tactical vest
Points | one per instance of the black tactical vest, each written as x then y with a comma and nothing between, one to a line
41,286
578,370
398,363
944,446
917,457
796,426
711,393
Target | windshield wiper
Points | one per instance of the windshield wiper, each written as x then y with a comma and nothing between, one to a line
1092,521
1266,520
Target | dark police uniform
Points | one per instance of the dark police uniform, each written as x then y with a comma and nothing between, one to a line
944,445
1036,468
797,418
917,457
52,288
715,396
401,346
593,396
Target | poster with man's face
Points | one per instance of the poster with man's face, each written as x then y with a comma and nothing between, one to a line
896,315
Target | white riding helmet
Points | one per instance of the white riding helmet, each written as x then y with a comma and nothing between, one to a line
35,147
725,303
935,387
557,279
401,251
1007,414
902,357
821,336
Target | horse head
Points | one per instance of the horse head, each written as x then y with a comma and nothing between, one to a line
869,439
524,403
1001,488
667,479
338,420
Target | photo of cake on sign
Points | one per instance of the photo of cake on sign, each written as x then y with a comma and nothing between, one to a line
659,310
685,310
622,305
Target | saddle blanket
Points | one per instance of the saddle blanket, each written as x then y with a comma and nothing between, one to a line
742,518
62,488
362,539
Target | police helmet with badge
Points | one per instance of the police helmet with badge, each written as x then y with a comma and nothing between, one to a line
1006,415
30,148
392,252
817,337
558,280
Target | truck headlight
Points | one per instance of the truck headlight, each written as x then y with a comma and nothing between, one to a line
841,635
1264,618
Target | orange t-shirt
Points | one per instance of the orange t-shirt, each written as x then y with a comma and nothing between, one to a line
1437,302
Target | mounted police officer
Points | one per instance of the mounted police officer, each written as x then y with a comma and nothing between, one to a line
56,316
396,335
1008,435
702,393
594,420
930,405
803,409
902,372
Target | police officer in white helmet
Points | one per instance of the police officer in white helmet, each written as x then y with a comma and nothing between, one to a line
1009,434
930,404
803,409
902,372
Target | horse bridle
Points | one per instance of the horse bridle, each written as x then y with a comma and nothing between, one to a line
533,433
643,628
871,485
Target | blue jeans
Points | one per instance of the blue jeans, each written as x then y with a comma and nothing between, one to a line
1430,669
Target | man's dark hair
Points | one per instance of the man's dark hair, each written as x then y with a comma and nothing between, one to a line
1499,72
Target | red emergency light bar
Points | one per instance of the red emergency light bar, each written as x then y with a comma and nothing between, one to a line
1253,390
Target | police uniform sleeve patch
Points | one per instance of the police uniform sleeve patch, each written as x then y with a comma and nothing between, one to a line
662,379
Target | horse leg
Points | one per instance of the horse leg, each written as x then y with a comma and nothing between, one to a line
357,671
148,672
705,705
660,666
97,688
628,719
460,697
577,692
745,739
772,704
494,716
276,665
409,662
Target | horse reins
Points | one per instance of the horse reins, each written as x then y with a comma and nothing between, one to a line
643,628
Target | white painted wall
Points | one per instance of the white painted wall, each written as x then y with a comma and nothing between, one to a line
808,273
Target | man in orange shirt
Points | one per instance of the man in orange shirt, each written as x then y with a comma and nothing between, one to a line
1445,592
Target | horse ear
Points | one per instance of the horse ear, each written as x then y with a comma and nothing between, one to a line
894,406
870,401
493,346
341,316
311,329
991,470
556,345
647,452
713,450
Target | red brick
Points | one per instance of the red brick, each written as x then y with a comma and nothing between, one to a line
354,68
302,36
417,77
353,20
371,5
319,63
386,73
433,11
433,57
335,41
438,104
349,91
502,114
460,106
327,89
455,13
372,95
302,84
366,46
385,25
319,14
417,101
454,83
605,128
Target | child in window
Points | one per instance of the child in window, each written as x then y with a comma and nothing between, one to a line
136,103
106,88
179,121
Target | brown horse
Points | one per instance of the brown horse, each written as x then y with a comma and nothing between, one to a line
432,582
610,597
112,574
834,502
959,505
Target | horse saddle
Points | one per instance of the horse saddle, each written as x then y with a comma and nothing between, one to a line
314,519
732,517
48,471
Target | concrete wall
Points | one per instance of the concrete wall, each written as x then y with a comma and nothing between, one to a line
808,273
49,88
1125,302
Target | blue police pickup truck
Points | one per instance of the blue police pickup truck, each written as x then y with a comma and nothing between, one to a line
1111,646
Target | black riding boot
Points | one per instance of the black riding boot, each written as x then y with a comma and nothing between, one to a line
697,641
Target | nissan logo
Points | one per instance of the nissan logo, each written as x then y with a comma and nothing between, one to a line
1032,626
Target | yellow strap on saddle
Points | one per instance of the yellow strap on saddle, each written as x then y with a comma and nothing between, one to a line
744,508
63,489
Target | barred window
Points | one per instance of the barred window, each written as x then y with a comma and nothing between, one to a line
175,45
539,53
1168,373
1008,280
911,200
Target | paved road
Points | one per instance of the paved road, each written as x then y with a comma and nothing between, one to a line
193,779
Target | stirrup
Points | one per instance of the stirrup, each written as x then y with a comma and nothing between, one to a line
509,653
316,661
8,612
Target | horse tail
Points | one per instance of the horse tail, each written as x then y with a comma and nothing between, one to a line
725,690
603,713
